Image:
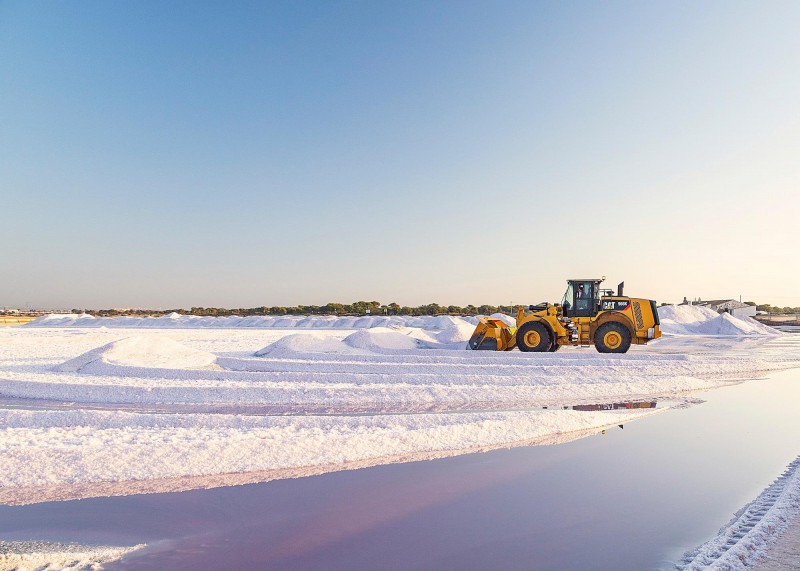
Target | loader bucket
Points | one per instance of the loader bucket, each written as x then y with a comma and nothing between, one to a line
492,335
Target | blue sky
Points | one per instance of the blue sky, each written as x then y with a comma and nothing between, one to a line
270,153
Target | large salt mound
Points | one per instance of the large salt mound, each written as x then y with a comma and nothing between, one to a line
148,351
459,331
61,320
382,340
729,325
364,342
699,320
307,343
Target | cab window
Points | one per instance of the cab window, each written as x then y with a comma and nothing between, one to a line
584,298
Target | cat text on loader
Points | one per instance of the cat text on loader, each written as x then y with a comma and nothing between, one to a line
587,315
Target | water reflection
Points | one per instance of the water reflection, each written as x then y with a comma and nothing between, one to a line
615,406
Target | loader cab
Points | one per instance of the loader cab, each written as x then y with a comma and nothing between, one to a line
582,298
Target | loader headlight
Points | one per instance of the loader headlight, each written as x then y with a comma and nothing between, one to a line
651,333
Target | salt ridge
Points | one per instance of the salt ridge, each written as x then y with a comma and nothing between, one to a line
675,319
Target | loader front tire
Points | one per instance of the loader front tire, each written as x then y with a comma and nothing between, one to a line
612,337
535,337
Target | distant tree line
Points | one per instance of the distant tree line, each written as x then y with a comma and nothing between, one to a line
356,308
333,309
770,309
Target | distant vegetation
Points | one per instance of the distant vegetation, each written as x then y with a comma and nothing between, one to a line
357,308
770,309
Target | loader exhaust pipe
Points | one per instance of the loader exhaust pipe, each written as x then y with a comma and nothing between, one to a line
620,287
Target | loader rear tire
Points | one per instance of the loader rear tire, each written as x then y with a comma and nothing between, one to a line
534,337
612,337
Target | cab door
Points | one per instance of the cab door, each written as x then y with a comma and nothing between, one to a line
585,301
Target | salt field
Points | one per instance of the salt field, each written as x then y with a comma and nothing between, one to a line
104,407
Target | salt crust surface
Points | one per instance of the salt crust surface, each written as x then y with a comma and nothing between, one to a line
45,556
105,410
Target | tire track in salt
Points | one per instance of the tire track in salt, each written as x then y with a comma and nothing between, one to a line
753,528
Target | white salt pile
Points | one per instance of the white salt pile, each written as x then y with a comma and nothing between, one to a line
299,343
698,320
382,339
140,351
364,342
459,332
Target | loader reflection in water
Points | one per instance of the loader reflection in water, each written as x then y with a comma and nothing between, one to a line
615,406
609,406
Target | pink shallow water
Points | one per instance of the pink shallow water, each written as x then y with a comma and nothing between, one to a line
630,499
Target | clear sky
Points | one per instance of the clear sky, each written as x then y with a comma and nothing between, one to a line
239,154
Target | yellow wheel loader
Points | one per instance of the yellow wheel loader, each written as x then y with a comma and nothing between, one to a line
587,315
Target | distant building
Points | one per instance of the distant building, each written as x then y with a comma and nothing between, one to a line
732,306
